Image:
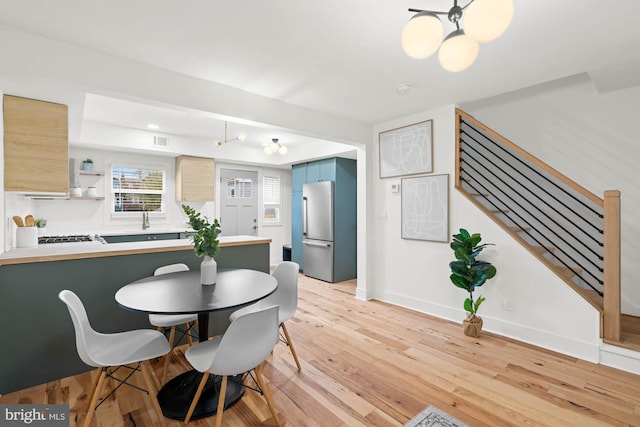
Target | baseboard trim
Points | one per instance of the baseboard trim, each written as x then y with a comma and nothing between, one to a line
620,358
561,344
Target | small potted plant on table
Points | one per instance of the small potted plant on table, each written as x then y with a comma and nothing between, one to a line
469,273
205,243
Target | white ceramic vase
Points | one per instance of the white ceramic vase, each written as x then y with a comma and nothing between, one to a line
208,271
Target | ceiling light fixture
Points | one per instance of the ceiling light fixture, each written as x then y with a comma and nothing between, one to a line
275,147
240,137
484,21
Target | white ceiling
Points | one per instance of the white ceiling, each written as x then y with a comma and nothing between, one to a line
340,58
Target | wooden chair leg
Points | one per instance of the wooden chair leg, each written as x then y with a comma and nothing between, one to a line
223,393
188,329
194,402
94,397
165,368
267,394
146,374
94,384
293,350
172,335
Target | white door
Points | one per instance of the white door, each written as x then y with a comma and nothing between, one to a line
238,202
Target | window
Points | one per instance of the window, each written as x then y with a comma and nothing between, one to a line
271,200
137,189
239,188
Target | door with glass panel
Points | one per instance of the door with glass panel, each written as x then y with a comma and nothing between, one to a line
238,202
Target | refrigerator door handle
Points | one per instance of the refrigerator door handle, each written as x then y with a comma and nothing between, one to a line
304,216
310,243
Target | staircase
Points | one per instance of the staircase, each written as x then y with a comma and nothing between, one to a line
575,233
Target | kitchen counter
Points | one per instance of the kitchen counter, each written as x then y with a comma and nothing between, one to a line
61,251
31,278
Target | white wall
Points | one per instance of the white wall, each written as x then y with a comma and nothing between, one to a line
591,137
415,274
91,216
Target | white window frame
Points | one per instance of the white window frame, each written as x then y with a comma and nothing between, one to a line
113,191
271,199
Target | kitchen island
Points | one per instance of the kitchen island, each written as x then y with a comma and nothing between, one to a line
38,331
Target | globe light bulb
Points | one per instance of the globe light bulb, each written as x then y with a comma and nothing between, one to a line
422,35
486,20
458,51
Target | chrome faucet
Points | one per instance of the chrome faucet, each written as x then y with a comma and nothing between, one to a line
145,219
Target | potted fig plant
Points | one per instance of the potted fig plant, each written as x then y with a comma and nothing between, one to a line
469,273
205,243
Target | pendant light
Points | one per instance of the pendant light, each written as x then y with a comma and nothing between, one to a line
275,147
484,21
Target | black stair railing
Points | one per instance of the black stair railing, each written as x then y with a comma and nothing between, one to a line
545,210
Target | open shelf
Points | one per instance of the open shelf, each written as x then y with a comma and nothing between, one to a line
93,173
86,198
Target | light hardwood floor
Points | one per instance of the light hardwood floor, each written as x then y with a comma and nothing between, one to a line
374,364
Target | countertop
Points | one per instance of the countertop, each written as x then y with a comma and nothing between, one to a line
62,251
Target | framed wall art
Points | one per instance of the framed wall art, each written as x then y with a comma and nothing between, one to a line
425,208
406,150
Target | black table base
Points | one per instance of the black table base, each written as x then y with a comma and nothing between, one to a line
175,396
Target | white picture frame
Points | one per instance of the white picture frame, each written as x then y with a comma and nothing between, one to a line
407,150
425,208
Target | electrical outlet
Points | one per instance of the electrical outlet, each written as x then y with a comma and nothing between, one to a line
507,304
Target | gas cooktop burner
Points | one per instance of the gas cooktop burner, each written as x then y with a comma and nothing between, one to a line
65,239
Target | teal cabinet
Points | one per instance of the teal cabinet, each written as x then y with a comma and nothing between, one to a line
296,226
343,173
321,170
298,176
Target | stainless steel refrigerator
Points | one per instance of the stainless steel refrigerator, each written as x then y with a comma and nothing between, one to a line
317,230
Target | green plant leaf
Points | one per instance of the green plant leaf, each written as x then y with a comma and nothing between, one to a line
479,301
459,281
468,306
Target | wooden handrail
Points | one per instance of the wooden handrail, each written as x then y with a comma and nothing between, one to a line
611,321
612,291
533,159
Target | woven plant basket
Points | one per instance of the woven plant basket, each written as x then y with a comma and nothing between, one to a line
472,325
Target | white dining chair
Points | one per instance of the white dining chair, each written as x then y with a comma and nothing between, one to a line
245,345
172,321
285,296
110,352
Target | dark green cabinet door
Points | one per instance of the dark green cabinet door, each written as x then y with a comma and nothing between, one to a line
141,237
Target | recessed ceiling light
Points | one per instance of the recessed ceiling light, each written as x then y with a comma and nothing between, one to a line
153,126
